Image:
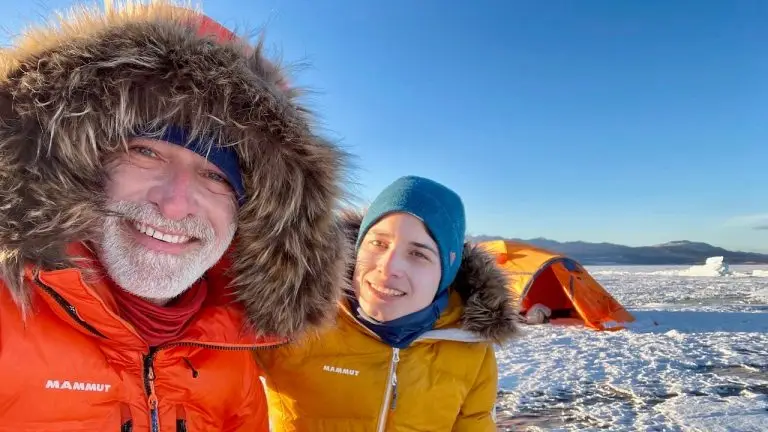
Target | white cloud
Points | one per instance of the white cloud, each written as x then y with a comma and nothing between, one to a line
754,221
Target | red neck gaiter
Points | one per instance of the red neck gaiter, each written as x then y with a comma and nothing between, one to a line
161,324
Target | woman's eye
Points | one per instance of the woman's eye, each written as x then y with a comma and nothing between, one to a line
377,243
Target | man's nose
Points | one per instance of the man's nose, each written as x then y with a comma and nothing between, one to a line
174,196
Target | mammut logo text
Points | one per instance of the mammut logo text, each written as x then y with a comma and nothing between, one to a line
77,386
341,371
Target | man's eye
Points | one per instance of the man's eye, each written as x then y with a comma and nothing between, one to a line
144,151
216,177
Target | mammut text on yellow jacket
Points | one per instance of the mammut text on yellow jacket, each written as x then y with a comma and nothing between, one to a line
346,379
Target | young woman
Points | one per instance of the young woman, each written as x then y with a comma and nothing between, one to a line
413,345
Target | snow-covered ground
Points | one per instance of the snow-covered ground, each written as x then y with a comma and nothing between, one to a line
696,359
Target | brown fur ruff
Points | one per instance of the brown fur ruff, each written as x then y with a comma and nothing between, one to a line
72,93
489,305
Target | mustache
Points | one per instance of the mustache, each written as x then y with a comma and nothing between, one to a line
148,214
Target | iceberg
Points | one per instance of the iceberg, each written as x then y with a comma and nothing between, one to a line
713,266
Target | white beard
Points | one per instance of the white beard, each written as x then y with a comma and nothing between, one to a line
152,275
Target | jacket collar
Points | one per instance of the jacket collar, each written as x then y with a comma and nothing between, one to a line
82,297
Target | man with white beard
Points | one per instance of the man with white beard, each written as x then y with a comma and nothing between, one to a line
165,208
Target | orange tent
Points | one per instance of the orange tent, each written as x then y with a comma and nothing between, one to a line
539,276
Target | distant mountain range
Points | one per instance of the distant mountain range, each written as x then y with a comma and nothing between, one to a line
676,252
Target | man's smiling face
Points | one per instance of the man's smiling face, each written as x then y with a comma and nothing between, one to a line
176,218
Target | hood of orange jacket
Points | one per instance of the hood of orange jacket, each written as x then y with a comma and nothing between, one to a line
74,92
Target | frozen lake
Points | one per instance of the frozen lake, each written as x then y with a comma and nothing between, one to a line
696,359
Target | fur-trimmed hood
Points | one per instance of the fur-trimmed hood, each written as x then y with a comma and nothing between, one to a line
73,92
489,306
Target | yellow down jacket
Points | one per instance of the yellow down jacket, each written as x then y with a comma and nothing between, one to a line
347,379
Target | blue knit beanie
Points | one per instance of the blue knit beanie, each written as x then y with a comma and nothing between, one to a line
439,208
225,158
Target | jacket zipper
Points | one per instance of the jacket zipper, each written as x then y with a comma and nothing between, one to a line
181,419
126,420
149,388
181,425
68,308
390,395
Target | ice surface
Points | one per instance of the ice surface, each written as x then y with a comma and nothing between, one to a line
712,268
696,359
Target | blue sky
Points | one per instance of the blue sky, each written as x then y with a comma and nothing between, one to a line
635,122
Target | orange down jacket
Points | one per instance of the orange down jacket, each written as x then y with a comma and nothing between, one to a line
75,365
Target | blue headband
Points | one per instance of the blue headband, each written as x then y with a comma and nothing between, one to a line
225,158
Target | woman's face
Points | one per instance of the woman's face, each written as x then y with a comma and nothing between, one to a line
397,271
